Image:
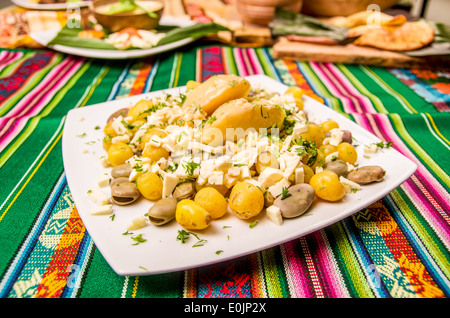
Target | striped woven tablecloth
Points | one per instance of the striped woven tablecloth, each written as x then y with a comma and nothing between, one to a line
397,247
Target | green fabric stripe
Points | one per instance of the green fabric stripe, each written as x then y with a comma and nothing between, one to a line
17,222
163,73
417,128
404,134
229,60
354,278
352,72
275,276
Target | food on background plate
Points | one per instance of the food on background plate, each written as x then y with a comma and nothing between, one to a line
156,152
134,38
404,36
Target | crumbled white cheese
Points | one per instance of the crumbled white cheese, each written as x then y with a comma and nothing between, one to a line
274,214
277,189
101,210
103,180
349,185
98,196
137,223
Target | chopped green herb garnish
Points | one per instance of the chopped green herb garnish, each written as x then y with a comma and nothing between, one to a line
285,193
253,224
138,239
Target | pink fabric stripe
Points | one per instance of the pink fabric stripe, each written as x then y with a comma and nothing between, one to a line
16,124
23,106
328,270
351,90
240,63
257,68
8,57
296,272
335,92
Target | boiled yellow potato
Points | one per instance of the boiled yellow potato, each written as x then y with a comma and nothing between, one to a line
191,215
119,152
327,186
150,185
213,201
315,134
239,116
347,152
246,200
139,110
216,91
155,153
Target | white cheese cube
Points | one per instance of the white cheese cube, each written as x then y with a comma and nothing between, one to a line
274,214
123,138
155,141
277,189
371,148
98,196
169,183
349,185
299,175
137,223
331,157
104,162
101,210
216,178
103,180
299,128
336,135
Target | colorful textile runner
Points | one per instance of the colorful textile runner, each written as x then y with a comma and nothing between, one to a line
396,247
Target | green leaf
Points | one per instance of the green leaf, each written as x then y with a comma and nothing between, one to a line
69,37
287,22
194,31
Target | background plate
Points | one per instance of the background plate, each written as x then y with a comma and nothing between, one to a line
45,37
50,6
161,253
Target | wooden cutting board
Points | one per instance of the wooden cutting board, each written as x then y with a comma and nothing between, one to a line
352,54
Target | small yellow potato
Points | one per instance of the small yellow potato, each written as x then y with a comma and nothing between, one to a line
297,92
347,152
155,153
328,125
150,185
315,134
246,200
216,91
191,215
236,119
139,110
328,149
219,187
110,133
213,201
119,152
190,85
327,186
161,133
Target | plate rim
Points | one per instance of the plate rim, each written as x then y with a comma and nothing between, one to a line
115,54
410,168
50,6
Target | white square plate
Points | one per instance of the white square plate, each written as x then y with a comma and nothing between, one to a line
162,252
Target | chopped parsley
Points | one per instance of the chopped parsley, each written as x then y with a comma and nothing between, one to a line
285,193
190,167
183,236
